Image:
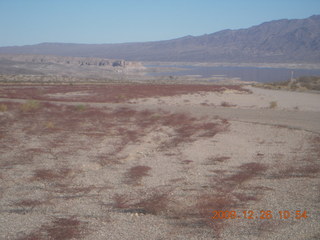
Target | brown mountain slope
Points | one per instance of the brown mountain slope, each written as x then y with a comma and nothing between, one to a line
284,40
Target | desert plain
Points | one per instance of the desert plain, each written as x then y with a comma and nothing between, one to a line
158,161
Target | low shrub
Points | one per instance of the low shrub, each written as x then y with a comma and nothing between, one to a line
3,108
273,104
30,105
135,174
80,107
226,104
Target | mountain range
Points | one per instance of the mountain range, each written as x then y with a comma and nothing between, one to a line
293,41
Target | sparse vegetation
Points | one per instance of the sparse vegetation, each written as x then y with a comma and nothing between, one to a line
305,83
49,174
310,82
3,107
49,125
30,105
206,204
273,104
80,107
60,228
247,172
307,171
216,160
79,158
153,202
109,93
226,104
135,174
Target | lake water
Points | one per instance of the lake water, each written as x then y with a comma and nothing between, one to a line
257,74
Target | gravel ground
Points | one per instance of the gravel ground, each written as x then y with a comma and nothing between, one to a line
108,172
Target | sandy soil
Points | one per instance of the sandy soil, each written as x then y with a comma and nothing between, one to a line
160,167
261,98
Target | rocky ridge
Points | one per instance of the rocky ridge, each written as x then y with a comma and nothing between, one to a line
75,61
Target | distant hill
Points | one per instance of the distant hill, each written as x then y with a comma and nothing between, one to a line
284,40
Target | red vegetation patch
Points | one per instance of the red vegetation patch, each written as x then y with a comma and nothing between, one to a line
243,197
186,161
205,206
60,228
28,203
226,196
135,174
309,171
121,201
49,174
247,172
226,104
73,130
108,92
127,125
315,142
215,160
187,129
153,202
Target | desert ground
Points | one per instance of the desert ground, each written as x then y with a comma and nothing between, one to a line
158,161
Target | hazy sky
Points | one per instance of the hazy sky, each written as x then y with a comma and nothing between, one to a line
25,22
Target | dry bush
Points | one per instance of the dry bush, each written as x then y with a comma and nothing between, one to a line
49,125
124,113
225,198
80,107
129,135
153,202
70,190
206,203
28,203
183,134
3,107
221,159
228,184
122,201
186,161
187,128
176,120
30,105
253,167
145,119
225,121
60,229
48,174
204,207
135,174
211,129
315,144
309,171
247,172
226,104
244,198
273,104
205,104
215,160
97,122
107,160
